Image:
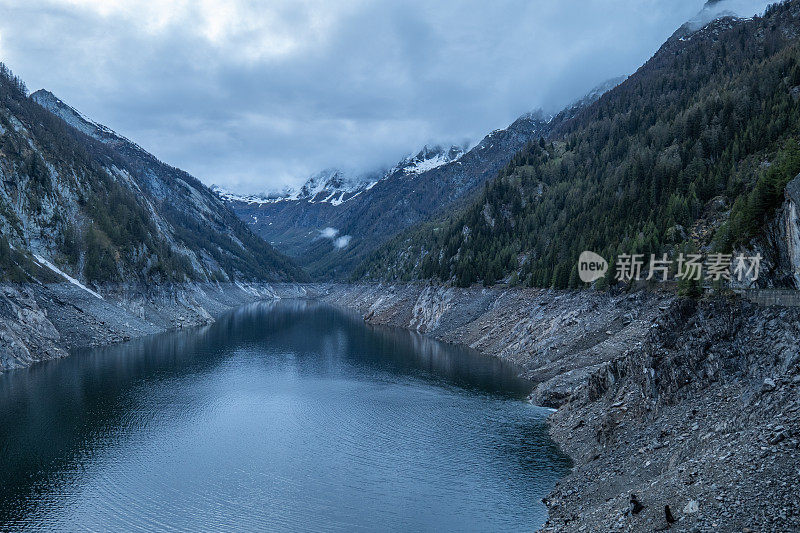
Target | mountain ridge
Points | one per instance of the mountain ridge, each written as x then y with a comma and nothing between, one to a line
336,186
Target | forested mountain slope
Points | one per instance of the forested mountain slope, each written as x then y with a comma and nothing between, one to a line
78,200
710,122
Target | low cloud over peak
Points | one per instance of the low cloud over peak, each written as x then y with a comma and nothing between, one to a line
254,95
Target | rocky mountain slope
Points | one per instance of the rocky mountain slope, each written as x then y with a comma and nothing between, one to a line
703,420
40,322
81,203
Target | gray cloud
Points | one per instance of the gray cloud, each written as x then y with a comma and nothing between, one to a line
254,95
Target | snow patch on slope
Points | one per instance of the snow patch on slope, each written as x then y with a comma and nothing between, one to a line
430,158
44,262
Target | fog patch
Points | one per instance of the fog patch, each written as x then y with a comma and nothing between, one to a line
333,235
342,241
329,233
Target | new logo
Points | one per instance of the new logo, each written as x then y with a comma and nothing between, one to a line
591,267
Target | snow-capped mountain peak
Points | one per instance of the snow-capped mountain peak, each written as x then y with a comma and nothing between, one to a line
327,183
331,185
428,158
229,196
335,186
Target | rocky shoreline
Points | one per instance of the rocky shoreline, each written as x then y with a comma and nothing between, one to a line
39,322
679,415
661,402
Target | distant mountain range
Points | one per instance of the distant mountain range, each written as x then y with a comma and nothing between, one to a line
336,186
368,210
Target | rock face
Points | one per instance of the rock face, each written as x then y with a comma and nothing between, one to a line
688,422
783,240
26,333
779,246
791,231
694,406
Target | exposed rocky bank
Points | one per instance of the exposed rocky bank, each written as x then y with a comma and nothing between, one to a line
662,402
39,322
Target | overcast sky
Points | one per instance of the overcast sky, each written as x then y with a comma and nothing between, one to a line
253,95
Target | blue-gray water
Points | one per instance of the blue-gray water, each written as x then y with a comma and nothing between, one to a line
288,416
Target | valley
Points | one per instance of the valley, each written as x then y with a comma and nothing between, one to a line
677,401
